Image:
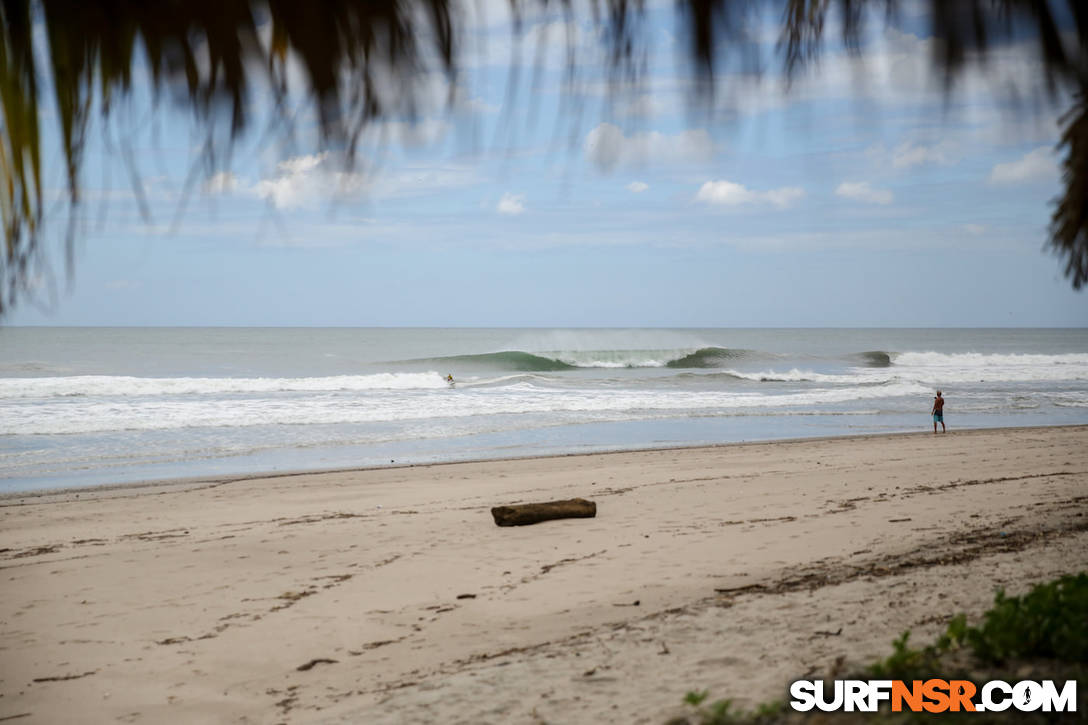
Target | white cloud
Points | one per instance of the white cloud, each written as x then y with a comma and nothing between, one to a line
861,191
908,155
728,193
974,229
911,153
284,191
724,192
302,164
473,105
302,180
638,186
608,146
511,204
221,183
1033,166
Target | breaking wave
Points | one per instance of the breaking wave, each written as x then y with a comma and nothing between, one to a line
875,358
554,361
710,357
514,360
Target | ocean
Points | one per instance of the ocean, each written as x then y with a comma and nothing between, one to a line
93,406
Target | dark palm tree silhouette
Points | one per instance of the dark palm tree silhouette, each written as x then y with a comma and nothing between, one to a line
209,54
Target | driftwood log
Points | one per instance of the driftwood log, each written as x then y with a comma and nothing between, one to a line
533,513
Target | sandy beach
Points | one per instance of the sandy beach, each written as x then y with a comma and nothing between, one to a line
389,595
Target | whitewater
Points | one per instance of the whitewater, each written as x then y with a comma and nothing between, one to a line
92,406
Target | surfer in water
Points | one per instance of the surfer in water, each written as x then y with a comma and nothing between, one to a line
449,380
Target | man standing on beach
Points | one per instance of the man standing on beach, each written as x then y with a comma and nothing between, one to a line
938,413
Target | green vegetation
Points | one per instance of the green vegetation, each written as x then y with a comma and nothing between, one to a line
1051,621
722,712
1041,635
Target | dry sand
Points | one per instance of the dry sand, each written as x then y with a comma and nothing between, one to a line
390,596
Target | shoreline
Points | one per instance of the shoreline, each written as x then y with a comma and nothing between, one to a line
388,595
164,485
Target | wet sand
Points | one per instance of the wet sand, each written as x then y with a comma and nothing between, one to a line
389,595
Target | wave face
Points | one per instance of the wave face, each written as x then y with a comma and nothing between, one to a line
558,360
876,358
515,360
710,357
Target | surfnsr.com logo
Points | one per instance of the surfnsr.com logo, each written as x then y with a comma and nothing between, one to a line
934,696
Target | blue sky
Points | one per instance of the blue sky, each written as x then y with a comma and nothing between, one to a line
864,197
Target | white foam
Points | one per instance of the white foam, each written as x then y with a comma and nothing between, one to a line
974,367
862,376
977,359
1071,399
124,386
936,368
88,415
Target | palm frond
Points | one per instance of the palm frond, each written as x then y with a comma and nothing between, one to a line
366,59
